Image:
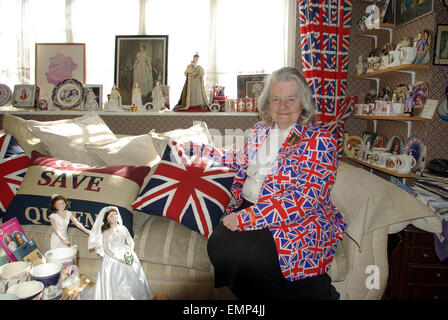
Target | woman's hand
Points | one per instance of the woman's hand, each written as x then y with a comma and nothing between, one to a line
66,242
230,222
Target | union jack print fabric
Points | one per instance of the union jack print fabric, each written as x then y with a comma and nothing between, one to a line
13,166
294,202
325,38
193,191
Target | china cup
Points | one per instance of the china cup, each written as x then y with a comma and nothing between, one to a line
28,290
50,275
407,55
405,163
394,58
13,273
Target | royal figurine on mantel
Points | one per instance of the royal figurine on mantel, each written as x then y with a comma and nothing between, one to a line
193,93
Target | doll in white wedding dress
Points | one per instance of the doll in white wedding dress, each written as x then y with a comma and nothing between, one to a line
121,276
60,217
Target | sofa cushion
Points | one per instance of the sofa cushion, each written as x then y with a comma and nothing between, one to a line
131,150
65,139
190,190
13,166
88,190
16,127
197,133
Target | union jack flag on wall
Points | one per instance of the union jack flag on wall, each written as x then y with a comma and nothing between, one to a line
13,166
325,38
193,191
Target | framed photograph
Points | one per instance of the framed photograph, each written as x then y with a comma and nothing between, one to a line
56,62
441,45
94,99
407,11
25,95
250,85
140,60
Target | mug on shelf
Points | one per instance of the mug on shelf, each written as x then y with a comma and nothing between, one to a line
407,55
391,162
394,58
405,162
397,108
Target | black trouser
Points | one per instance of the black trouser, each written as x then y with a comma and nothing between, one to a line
248,263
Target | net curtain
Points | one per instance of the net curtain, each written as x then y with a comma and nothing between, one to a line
325,38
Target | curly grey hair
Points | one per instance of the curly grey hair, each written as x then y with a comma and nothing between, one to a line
306,99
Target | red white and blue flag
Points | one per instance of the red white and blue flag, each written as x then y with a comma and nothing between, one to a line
13,166
193,191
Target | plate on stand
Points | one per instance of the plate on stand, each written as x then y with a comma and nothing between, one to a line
69,94
5,94
414,146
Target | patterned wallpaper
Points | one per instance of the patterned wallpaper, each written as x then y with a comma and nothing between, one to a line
434,131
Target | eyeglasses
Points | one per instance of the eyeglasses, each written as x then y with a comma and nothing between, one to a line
289,101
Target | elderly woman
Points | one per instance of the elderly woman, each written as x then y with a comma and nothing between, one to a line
279,239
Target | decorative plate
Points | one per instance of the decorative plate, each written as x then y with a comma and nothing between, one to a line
394,144
69,94
414,146
5,94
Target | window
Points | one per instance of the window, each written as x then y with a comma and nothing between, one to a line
231,36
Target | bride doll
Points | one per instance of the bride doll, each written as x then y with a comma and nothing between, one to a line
121,276
60,217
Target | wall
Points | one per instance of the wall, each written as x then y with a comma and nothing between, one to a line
435,131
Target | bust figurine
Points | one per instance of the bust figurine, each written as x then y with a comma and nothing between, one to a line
360,65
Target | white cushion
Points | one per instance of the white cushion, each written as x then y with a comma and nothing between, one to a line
65,139
197,133
131,150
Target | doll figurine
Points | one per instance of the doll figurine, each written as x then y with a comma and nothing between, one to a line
60,217
409,99
121,276
137,97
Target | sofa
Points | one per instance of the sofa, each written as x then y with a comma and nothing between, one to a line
174,257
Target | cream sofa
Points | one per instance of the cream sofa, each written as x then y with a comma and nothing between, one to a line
175,258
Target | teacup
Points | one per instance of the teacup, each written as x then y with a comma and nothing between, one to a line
405,163
407,55
50,275
28,290
13,273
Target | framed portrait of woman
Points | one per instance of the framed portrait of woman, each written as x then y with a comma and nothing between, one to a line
140,60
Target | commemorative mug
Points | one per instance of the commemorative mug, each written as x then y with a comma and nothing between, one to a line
397,108
407,55
382,158
405,162
391,162
394,58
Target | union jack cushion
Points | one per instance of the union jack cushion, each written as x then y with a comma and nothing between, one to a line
191,190
13,166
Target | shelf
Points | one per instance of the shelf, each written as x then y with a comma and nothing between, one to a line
388,71
374,32
390,172
393,118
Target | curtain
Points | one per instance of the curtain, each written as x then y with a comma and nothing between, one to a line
325,38
231,36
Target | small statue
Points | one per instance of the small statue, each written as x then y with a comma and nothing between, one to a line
137,97
91,103
158,100
409,104
360,66
404,42
193,93
114,102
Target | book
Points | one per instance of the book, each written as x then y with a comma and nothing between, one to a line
29,252
12,236
402,186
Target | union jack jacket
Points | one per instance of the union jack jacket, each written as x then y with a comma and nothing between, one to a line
294,202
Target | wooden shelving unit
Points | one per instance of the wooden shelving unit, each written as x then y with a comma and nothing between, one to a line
393,118
389,71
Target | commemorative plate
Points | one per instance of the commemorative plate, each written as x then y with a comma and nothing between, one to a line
414,146
69,94
5,94
394,144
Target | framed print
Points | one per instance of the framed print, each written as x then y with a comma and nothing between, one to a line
250,85
25,95
407,11
441,45
140,60
56,62
94,97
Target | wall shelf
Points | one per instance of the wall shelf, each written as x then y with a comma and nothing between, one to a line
389,71
390,172
392,118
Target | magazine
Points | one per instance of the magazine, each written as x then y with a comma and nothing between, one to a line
29,252
12,236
